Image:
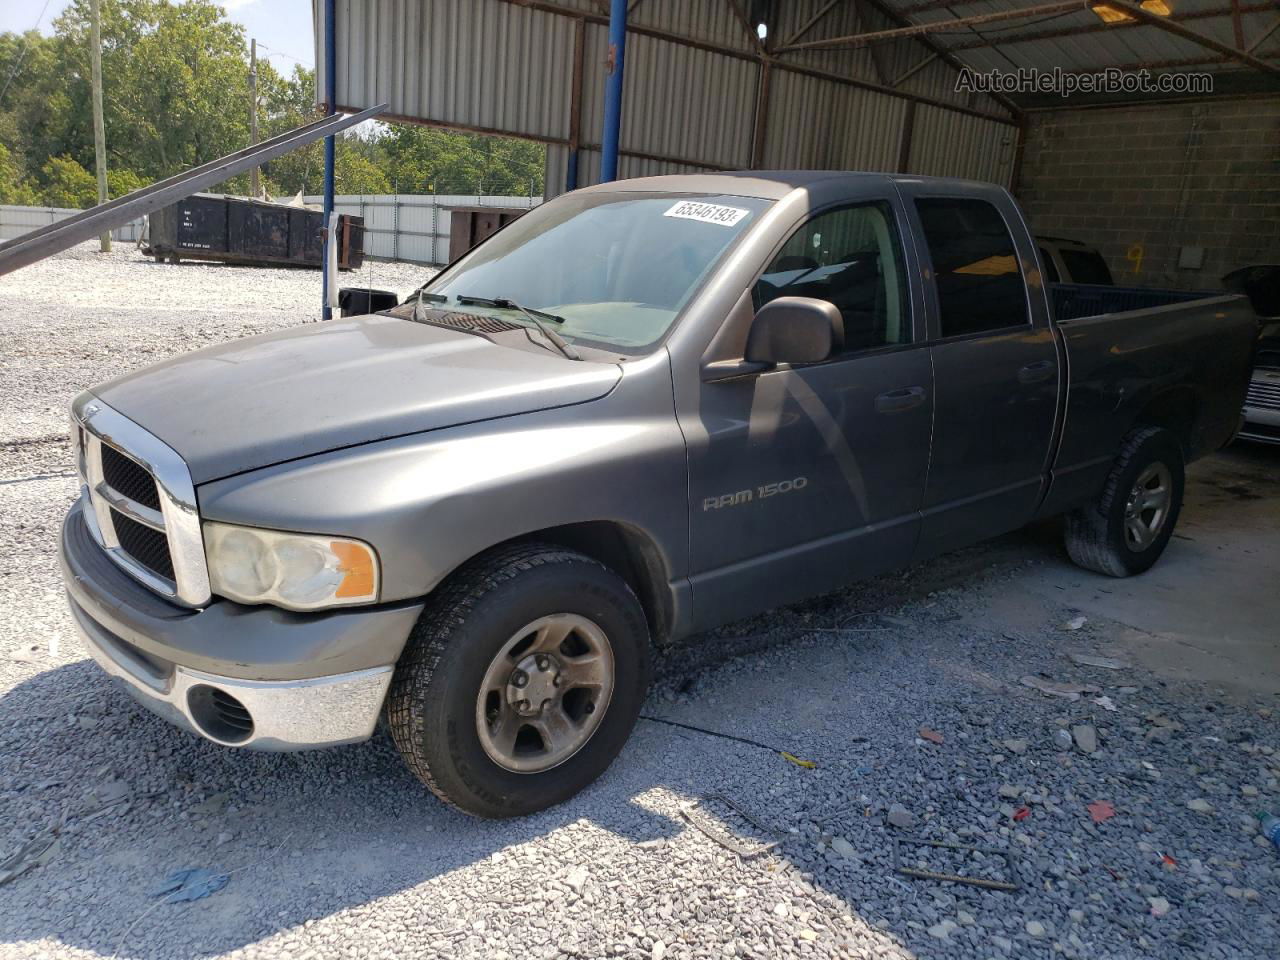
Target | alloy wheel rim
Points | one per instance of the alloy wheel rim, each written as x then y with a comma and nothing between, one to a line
1147,507
545,693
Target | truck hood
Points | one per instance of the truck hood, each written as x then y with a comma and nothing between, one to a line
260,401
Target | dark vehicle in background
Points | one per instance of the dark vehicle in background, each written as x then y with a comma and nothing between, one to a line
1070,261
1261,283
642,410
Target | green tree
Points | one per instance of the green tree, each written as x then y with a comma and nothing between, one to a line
13,188
67,184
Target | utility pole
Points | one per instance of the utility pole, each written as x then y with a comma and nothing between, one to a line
253,110
99,131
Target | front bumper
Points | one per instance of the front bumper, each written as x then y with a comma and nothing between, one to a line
256,677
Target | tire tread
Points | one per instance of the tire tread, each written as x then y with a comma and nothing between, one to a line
451,604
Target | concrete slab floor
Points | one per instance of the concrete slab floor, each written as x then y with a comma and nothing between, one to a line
1209,610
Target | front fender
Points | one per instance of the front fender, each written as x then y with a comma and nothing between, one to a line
429,502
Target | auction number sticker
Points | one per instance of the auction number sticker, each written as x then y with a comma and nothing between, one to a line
707,213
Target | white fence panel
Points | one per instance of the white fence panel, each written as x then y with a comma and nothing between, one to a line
15,221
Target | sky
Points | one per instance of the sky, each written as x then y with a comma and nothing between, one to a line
281,27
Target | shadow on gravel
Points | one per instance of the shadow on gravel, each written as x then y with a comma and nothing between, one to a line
343,833
305,836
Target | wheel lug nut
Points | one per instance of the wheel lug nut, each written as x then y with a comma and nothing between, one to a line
557,680
523,704
520,678
543,663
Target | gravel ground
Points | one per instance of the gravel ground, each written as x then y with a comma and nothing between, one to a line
903,691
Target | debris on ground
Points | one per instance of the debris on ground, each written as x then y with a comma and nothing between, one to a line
34,853
1106,703
933,736
1054,688
192,883
1101,811
1091,660
1200,805
1075,623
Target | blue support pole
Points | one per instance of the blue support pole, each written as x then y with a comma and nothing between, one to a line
613,90
330,100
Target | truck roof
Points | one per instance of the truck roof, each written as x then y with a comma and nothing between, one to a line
766,184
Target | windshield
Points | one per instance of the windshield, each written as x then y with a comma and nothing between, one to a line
617,268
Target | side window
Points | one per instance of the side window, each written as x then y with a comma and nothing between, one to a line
852,258
976,270
1050,268
1086,266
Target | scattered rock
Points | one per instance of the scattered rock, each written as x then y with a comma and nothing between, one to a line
942,930
1075,623
1200,805
1015,746
900,816
1249,790
577,879
843,847
658,950
1062,740
1010,792
1159,906
1086,737
1076,915
1035,928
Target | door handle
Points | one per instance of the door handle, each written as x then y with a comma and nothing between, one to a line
895,401
1037,372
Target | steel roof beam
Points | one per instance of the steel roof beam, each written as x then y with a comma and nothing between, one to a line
1099,27
1186,33
920,29
38,244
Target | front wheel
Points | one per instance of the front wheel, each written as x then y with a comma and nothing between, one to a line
1127,528
521,681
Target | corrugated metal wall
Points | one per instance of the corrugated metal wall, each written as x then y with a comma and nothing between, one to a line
504,66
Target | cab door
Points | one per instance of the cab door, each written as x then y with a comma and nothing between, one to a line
804,478
995,363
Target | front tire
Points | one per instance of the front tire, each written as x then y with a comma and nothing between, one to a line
1127,528
521,681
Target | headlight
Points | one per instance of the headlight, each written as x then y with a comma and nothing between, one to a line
290,570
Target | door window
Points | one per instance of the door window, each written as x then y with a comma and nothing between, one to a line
975,267
852,258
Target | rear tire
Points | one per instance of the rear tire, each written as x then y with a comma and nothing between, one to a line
1126,529
495,713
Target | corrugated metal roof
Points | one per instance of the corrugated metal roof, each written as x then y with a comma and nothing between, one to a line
1021,43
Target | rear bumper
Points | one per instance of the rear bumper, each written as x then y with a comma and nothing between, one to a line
254,677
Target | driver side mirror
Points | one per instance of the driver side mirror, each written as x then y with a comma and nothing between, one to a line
794,330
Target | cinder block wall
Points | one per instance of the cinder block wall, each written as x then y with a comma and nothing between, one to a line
1143,182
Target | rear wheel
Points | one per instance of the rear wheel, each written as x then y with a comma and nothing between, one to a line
1127,528
521,681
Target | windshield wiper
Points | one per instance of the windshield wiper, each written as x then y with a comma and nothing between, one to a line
502,303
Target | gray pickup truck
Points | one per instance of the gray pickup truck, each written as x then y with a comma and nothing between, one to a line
642,410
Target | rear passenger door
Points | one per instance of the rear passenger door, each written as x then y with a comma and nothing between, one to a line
995,365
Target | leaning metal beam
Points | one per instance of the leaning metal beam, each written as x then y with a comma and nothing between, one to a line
38,244
1186,33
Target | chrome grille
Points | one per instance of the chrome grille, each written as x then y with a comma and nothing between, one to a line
129,478
142,503
1264,394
